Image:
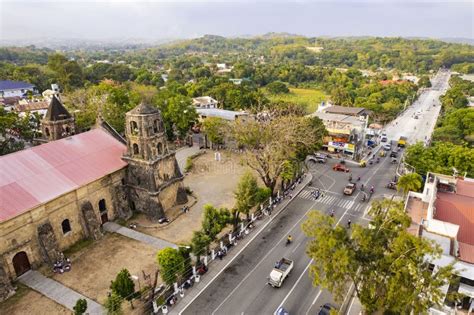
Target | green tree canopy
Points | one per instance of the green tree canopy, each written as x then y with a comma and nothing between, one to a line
269,145
80,307
113,304
214,220
123,285
410,182
246,194
441,157
215,128
277,87
386,264
171,263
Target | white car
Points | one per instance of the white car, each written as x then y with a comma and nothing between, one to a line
387,147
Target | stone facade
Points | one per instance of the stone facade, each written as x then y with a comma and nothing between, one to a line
48,229
48,244
153,179
58,122
151,183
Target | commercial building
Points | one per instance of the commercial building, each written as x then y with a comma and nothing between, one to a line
444,213
346,133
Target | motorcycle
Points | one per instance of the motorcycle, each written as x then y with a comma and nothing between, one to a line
391,185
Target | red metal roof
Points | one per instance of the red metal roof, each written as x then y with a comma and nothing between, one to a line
40,174
458,208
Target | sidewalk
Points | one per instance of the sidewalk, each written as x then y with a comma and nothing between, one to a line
141,237
217,266
58,292
182,155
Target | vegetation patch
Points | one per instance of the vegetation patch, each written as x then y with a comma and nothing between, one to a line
309,98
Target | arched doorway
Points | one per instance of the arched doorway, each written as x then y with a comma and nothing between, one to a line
21,263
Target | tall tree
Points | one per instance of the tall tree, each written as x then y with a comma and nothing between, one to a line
123,285
246,194
269,145
387,266
113,304
410,182
172,264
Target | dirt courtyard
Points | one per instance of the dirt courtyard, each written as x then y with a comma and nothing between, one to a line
94,267
27,301
212,182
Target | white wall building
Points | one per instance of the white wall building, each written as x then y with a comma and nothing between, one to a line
10,88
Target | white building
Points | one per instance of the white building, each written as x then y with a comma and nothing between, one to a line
204,102
15,88
444,213
230,115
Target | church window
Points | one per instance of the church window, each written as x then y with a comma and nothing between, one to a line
160,148
68,130
46,130
66,226
155,126
133,127
135,149
102,206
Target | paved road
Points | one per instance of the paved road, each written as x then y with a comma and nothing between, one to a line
417,129
242,288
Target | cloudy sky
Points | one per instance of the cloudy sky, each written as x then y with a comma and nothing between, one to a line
152,20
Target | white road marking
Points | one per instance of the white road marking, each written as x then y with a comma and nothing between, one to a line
294,249
309,264
258,264
314,301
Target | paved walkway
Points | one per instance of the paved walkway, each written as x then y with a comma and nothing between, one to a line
141,237
182,155
58,292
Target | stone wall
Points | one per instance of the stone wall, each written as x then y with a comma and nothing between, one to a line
21,232
91,223
6,288
49,247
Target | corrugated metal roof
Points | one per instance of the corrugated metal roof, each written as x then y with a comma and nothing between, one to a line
13,85
40,174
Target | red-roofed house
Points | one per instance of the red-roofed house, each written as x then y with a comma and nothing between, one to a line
444,213
58,193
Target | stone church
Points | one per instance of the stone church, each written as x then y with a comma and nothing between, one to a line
55,194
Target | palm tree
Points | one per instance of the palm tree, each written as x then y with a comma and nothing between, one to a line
409,182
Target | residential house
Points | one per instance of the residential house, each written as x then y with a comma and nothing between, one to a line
225,114
444,213
204,102
10,88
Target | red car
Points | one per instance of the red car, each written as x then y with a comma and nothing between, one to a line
340,168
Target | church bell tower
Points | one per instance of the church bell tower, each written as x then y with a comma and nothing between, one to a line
153,177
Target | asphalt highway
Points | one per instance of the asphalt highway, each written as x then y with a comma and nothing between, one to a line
242,287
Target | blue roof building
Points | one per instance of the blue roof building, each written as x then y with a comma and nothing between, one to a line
10,88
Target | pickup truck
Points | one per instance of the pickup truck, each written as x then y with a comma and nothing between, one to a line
279,273
402,141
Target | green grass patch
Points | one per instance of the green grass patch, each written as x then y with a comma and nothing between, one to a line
309,98
78,246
